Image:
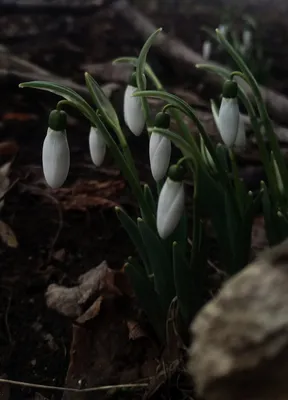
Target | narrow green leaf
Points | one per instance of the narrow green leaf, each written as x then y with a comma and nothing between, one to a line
188,291
150,200
140,67
62,91
133,232
148,299
102,102
160,263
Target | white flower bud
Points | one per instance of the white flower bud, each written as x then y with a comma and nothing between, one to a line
160,153
55,158
228,120
206,49
247,38
133,112
223,29
97,146
170,207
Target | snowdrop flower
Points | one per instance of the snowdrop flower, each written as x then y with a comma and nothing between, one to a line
223,29
206,49
229,113
160,148
240,140
55,152
247,38
133,113
97,146
171,203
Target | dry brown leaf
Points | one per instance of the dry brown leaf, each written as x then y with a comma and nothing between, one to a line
71,301
7,235
135,330
258,236
92,311
84,194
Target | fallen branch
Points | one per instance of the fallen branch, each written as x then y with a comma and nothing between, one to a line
66,389
14,67
64,7
276,103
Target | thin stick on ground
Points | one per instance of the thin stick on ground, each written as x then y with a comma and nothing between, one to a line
63,389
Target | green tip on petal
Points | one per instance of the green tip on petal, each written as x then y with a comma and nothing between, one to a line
176,172
133,80
57,120
162,120
230,89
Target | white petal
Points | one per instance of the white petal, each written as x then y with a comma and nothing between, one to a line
159,152
170,207
215,114
241,134
206,49
133,112
97,146
247,38
228,120
55,158
223,29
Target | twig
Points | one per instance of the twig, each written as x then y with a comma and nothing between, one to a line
65,7
63,389
175,49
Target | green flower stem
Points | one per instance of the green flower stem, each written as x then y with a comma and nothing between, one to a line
237,183
260,141
261,107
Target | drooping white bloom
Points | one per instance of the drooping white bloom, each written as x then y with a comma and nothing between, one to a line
247,38
228,120
97,146
159,153
133,113
170,207
241,133
223,29
206,49
240,140
55,158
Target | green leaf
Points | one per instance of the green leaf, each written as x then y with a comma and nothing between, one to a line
187,289
160,264
148,299
64,92
187,110
148,70
150,199
132,230
102,102
140,67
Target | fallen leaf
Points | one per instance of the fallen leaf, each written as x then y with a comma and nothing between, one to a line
135,330
7,235
84,194
59,255
258,236
72,301
20,117
92,311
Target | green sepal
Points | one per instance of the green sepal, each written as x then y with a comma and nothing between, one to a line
57,120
